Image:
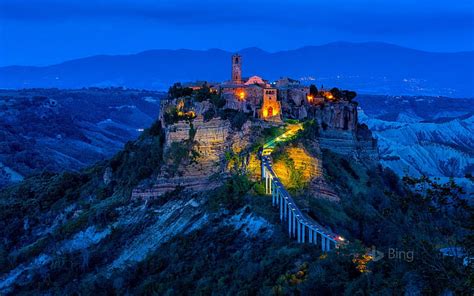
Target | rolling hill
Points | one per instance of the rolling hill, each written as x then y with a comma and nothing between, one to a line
366,67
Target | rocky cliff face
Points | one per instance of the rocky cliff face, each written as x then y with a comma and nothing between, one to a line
348,143
211,141
337,116
342,133
341,115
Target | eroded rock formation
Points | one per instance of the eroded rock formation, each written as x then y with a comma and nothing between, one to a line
211,141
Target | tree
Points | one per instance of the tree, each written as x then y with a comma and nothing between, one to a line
349,95
178,91
336,92
203,93
313,90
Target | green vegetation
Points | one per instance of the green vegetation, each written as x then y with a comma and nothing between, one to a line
182,152
35,201
296,181
185,99
237,119
345,95
266,135
380,209
178,91
140,159
291,121
208,115
231,195
313,90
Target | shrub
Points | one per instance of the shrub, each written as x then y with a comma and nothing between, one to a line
202,94
259,188
347,166
217,101
155,129
178,91
231,195
209,114
313,90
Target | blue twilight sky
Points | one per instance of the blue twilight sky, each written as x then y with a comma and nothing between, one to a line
41,32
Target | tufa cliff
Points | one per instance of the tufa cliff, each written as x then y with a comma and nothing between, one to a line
205,140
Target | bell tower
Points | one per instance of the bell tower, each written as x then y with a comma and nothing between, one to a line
236,69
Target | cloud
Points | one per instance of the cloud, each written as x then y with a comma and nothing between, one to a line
368,16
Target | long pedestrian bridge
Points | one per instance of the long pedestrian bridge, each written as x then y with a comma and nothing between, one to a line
300,226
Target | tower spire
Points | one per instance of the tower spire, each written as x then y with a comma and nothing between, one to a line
236,69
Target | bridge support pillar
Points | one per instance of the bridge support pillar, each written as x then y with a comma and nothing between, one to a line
270,181
310,240
289,223
303,234
281,206
293,231
323,243
299,232
266,183
328,244
273,198
277,194
285,216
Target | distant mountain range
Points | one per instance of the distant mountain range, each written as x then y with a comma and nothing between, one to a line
365,67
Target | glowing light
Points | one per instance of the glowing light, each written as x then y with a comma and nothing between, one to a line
328,95
310,98
241,95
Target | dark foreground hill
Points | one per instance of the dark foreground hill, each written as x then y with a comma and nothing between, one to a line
80,233
366,67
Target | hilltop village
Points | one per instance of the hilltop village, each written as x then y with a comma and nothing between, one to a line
285,98
206,123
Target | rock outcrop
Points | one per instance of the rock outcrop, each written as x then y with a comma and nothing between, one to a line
308,170
211,141
347,143
341,132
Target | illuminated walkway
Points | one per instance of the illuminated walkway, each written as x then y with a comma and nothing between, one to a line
301,227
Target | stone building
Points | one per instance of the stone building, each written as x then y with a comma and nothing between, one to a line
236,69
252,95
